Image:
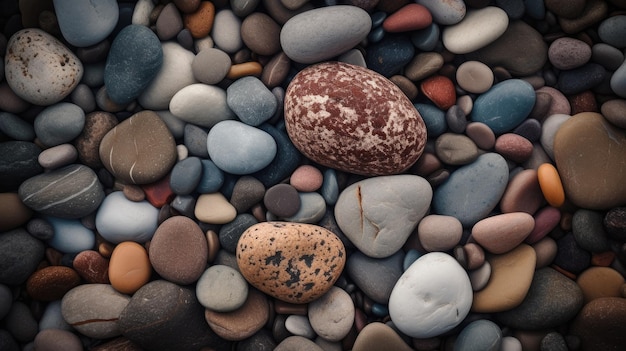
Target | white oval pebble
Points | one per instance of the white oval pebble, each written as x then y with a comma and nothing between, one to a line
332,315
299,325
119,219
201,104
221,289
226,31
478,29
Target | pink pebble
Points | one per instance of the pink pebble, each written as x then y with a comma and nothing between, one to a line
306,178
409,17
546,219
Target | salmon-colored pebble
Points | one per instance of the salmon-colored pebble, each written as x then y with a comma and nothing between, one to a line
159,193
440,90
550,184
251,68
409,17
200,22
129,267
306,178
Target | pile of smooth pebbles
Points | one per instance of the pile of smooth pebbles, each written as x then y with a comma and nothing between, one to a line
313,175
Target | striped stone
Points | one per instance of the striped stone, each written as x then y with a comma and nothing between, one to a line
73,191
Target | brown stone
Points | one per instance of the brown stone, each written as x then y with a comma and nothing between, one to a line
566,8
380,337
514,147
200,22
408,88
276,70
97,124
187,6
92,267
261,34
522,194
594,12
597,282
600,325
243,322
501,233
13,212
51,283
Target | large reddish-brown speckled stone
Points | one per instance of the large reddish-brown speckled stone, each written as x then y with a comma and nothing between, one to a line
353,119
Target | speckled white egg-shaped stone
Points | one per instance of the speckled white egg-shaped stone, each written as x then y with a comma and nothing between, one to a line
353,119
39,68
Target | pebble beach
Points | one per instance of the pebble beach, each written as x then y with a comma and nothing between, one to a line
313,175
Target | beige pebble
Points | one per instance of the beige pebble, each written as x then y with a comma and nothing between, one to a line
214,208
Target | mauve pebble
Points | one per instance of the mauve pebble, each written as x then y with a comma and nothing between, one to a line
568,53
481,134
282,200
514,147
169,22
57,339
523,193
439,233
613,111
529,129
58,156
306,178
261,34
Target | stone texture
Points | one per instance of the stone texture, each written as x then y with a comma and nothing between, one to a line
599,325
21,255
242,322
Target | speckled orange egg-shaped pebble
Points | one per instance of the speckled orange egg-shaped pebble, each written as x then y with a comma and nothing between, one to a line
129,267
292,262
550,184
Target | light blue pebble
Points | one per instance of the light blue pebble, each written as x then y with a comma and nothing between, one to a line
312,209
613,31
185,175
119,219
59,123
434,119
426,39
618,81
212,178
330,187
505,105
251,100
410,257
53,319
85,23
473,191
238,148
379,310
480,335
70,235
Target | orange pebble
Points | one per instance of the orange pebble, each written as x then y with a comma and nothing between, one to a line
550,184
251,68
129,267
200,22
440,90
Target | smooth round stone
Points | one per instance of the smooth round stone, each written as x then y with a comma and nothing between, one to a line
501,233
186,175
214,208
481,134
28,51
57,339
86,24
21,255
180,323
194,139
439,233
261,34
210,65
198,18
390,55
590,175
247,192
510,279
175,74
381,231
322,136
15,127
553,299
238,148
455,149
522,194
312,209
380,336
606,55
201,104
600,324
588,230
58,156
570,256
612,111
292,262
226,31
568,53
169,22
615,223
600,282
243,322
613,30
546,220
139,150
221,289
51,283
409,17
474,77
300,326
13,214
519,60
93,309
141,13
617,81
480,276
481,334
559,104
376,277
119,219
282,200
440,90
297,343
134,60
505,105
489,175
426,39
178,250
70,235
306,178
434,119
432,296
92,266
97,124
73,191
129,267
37,227
21,323
477,29
332,315
514,147
445,13
580,79
59,123
251,100
423,65
322,33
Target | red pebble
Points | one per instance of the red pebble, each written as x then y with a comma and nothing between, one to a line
440,90
408,18
159,193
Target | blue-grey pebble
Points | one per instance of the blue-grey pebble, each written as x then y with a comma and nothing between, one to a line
21,253
434,119
15,127
613,31
488,176
230,233
21,323
579,79
86,23
40,228
59,124
52,317
185,175
194,138
445,12
330,187
211,178
618,81
70,235
83,97
6,299
376,35
588,230
184,204
505,105
608,56
238,148
482,334
456,119
18,163
176,126
426,39
390,55
286,161
378,18
376,277
570,256
93,76
251,100
410,257
134,60
312,208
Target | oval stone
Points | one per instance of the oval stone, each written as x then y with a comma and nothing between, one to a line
51,283
119,219
432,296
323,33
243,322
201,104
445,12
129,268
72,191
21,253
332,315
292,262
477,29
28,51
331,106
86,23
378,214
482,334
221,289
501,233
139,150
505,105
59,123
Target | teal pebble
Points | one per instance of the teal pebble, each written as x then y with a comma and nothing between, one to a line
330,187
212,178
434,119
426,39
390,55
410,257
379,310
505,105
